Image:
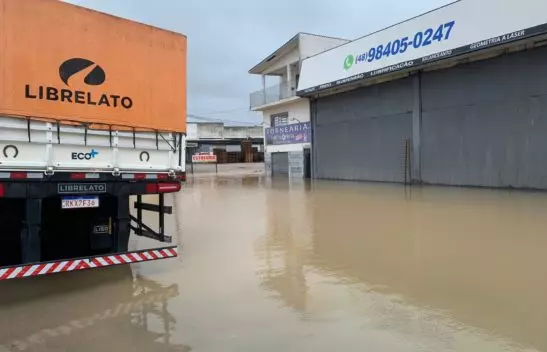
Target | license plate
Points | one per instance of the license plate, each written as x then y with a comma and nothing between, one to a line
79,202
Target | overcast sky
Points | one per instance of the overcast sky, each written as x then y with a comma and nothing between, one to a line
226,38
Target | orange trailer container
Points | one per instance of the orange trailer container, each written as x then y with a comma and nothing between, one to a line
66,63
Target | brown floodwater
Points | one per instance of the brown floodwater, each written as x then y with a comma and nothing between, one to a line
292,266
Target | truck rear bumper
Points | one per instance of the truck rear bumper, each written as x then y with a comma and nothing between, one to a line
51,187
86,263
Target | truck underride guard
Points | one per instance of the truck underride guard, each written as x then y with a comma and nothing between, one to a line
60,266
66,193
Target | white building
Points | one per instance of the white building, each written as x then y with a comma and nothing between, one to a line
286,117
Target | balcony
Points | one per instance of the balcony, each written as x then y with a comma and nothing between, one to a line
271,95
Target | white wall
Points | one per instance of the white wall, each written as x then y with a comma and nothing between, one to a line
300,110
196,131
312,45
242,132
309,45
191,131
282,62
210,130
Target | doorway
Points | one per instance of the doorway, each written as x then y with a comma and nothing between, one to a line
280,164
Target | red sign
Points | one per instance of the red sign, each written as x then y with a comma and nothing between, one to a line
204,158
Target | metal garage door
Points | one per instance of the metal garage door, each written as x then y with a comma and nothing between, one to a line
280,164
485,123
360,134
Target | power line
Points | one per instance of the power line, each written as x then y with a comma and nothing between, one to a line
225,111
211,119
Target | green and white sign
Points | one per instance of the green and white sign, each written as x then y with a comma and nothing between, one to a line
456,29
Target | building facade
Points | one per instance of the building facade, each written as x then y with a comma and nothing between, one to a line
457,96
286,116
227,142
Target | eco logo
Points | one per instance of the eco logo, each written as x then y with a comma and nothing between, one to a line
85,156
95,77
348,62
70,67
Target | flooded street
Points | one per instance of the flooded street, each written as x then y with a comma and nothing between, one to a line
276,266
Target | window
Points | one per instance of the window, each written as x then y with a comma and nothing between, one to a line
279,119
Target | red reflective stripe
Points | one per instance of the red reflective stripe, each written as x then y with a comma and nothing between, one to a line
8,273
23,271
131,257
65,268
18,175
83,265
39,269
106,259
142,256
53,267
163,253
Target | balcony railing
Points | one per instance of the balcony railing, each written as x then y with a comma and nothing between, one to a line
271,95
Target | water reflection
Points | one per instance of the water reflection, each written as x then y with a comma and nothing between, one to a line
284,246
445,268
110,309
273,265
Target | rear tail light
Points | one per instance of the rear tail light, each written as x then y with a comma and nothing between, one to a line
166,187
169,187
2,190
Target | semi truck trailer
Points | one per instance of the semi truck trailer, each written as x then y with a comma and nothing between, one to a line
92,117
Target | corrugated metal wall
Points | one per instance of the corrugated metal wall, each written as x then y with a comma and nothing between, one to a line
478,124
360,135
485,123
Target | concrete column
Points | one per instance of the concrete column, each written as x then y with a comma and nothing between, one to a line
289,80
417,129
296,164
264,89
268,163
